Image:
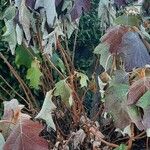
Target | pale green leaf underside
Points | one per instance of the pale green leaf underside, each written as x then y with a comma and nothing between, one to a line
47,109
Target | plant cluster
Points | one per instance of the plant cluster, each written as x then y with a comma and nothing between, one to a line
38,34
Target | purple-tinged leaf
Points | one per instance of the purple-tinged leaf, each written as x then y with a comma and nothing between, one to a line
128,44
120,3
135,52
57,2
79,7
30,3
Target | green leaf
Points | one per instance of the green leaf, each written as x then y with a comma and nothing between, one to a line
121,147
120,91
115,103
10,35
144,101
105,59
58,62
34,74
83,79
135,116
47,109
10,12
2,141
106,13
23,57
19,34
101,47
131,20
62,89
24,19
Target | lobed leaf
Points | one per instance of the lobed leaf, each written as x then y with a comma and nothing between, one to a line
47,109
26,136
126,43
34,74
113,38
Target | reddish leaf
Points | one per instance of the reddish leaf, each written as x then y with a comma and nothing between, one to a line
137,89
113,38
26,137
128,45
12,113
79,7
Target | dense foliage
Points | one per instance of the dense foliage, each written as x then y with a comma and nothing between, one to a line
63,88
